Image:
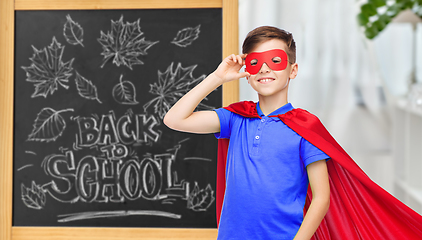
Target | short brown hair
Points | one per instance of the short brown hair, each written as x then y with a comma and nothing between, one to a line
265,33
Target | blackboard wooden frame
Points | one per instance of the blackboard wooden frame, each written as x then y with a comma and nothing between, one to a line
7,21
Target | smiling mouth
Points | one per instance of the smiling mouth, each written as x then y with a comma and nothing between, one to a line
265,80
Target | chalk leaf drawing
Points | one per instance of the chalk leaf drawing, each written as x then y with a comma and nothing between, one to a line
73,32
124,43
186,36
48,125
171,86
86,88
48,70
125,92
33,197
200,200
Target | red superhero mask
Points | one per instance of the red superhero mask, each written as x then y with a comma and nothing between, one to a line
276,59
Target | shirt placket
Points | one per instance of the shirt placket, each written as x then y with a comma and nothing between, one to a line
258,135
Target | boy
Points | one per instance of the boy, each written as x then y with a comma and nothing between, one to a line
275,149
266,191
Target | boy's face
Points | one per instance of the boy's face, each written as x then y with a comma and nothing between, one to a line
269,68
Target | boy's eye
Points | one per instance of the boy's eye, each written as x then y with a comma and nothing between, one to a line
254,62
276,60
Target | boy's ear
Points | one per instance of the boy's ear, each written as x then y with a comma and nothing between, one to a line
294,70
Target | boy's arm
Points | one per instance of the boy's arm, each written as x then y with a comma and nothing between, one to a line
181,116
318,180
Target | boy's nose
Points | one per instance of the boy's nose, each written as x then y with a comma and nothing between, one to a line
264,68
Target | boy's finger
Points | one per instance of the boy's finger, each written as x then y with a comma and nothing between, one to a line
239,59
244,74
229,58
233,57
243,56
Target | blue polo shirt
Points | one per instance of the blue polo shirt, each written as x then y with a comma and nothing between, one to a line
266,177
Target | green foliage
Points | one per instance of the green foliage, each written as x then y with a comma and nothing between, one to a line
362,19
377,3
385,19
375,15
371,32
368,9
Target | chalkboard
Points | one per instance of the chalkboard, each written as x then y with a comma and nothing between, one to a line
91,89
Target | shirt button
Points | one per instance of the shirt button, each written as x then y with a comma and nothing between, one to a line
256,137
262,120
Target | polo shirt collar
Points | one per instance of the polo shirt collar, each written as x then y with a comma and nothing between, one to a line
282,110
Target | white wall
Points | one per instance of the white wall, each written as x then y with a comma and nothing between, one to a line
341,74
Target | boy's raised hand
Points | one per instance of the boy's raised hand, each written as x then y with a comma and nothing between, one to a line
182,117
229,68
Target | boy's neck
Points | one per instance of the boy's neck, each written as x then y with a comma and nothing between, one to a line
270,104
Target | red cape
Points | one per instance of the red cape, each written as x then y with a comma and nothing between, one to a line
359,208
